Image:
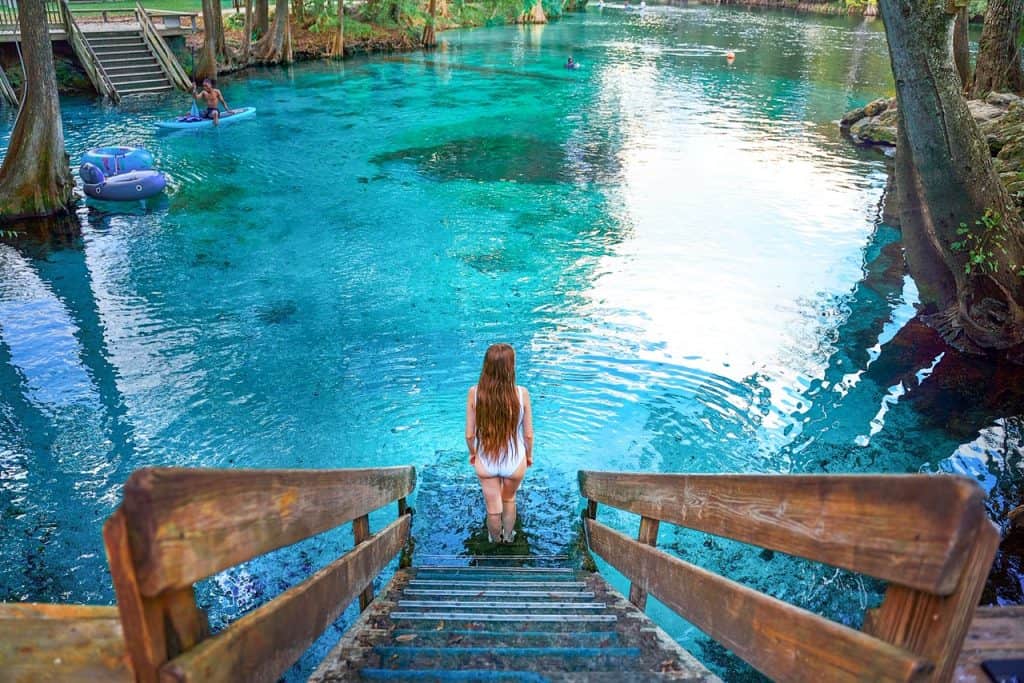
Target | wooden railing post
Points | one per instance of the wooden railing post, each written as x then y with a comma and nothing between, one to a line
649,536
361,532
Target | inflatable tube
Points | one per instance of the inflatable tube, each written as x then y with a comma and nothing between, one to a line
114,160
184,124
122,187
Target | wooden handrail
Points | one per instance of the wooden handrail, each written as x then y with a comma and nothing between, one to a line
928,535
86,56
177,526
781,640
168,62
909,529
187,524
264,643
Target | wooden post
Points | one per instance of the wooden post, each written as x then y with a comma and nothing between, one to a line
648,535
591,509
361,532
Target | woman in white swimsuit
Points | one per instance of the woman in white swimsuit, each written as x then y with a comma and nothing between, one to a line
499,433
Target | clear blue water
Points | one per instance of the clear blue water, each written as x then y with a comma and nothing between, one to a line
687,256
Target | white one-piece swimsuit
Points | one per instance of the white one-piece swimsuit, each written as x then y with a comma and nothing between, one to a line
508,462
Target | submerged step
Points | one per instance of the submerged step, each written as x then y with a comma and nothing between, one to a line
473,604
496,583
509,637
516,616
539,570
560,652
497,593
446,675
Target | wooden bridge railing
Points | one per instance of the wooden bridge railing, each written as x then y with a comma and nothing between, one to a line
177,526
9,15
927,536
86,57
168,62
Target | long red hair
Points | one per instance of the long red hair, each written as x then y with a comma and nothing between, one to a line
497,402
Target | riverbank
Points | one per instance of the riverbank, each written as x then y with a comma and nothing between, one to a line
1000,116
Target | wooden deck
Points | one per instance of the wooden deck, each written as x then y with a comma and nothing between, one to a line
509,624
996,633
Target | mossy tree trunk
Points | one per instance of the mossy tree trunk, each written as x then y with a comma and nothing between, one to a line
338,44
206,65
35,179
945,178
276,46
998,68
262,17
429,38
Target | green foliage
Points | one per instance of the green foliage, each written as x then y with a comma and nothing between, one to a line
983,243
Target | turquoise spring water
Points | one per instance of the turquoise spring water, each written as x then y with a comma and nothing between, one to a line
687,256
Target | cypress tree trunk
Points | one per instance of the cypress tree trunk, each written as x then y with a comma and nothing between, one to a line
962,49
946,178
276,46
245,50
218,24
998,67
206,66
35,179
536,14
262,17
338,44
429,39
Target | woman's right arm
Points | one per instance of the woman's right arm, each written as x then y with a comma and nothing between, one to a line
471,424
527,427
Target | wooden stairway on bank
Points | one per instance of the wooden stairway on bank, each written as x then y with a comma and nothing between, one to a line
129,63
491,623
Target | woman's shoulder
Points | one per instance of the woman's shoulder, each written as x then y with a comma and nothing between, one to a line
523,390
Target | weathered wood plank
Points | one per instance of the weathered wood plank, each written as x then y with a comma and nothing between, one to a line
61,642
782,641
995,633
265,642
914,530
187,524
648,534
934,626
360,533
144,635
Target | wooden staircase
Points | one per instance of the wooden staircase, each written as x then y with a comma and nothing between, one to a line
507,623
129,63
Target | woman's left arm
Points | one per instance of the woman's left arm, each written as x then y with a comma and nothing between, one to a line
528,427
471,425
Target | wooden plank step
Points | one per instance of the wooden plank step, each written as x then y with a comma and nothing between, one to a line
450,636
477,570
996,633
560,585
513,617
148,91
497,605
446,675
501,658
392,640
490,593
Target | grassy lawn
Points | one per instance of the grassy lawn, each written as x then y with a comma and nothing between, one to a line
195,6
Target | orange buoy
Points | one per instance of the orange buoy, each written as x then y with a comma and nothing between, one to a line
730,56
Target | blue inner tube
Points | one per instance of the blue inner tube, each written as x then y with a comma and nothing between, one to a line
127,186
114,160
